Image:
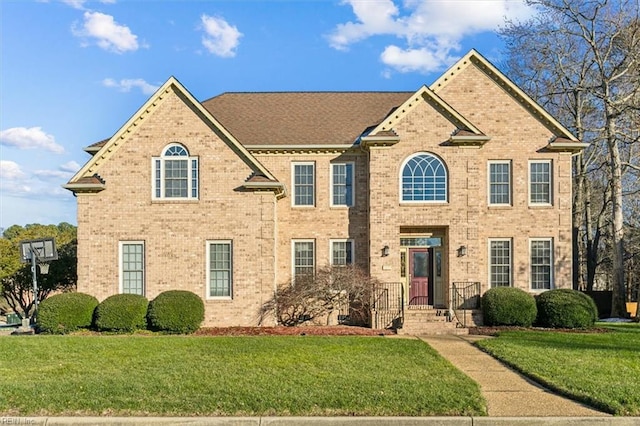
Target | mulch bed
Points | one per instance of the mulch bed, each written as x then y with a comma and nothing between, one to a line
493,331
338,330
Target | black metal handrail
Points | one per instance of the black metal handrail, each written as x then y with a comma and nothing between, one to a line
464,296
387,305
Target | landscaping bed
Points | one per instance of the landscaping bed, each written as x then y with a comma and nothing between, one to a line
320,330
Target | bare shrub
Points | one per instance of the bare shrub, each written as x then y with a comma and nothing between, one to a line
316,296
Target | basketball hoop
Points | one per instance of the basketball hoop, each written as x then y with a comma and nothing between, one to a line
44,268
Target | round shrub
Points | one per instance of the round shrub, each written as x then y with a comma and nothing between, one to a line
66,312
566,308
508,306
122,312
176,311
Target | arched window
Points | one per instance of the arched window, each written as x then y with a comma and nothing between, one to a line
423,179
175,174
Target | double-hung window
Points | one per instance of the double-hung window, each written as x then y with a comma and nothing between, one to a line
540,179
303,257
219,269
341,252
342,184
303,182
541,263
500,183
132,267
175,174
500,262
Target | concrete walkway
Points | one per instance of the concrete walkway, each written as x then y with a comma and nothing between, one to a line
508,394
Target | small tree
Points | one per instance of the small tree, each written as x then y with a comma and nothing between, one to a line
315,296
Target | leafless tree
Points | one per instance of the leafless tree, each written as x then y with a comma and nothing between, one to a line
581,60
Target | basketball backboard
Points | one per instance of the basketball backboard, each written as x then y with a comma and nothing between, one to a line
44,249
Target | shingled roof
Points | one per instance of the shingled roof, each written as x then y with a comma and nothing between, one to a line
302,118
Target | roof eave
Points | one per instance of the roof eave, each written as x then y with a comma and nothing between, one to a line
277,188
85,188
468,140
378,141
562,146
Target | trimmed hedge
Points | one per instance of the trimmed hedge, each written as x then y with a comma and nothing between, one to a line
66,312
566,308
122,312
508,306
176,311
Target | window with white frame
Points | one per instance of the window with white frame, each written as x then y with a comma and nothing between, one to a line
541,263
423,179
341,252
303,182
303,257
219,269
540,182
500,262
175,174
342,193
499,183
132,267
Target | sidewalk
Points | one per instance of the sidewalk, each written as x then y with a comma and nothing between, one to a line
508,394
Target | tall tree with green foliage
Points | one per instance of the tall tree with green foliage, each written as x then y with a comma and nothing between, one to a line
16,284
581,60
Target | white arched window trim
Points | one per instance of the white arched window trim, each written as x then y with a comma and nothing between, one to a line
418,189
175,174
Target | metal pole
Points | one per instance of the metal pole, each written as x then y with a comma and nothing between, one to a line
35,283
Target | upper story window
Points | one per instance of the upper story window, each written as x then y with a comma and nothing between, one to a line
303,183
540,182
175,174
342,184
423,179
500,183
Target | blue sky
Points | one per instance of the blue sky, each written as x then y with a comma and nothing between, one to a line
73,71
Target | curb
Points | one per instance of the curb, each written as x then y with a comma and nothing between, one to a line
322,421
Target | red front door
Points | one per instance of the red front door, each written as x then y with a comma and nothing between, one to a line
420,274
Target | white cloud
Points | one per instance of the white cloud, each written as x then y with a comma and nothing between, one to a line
10,170
431,30
79,4
52,174
220,38
108,33
126,85
70,166
29,138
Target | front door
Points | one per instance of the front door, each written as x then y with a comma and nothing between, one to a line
420,276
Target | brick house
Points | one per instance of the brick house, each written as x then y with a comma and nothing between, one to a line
466,182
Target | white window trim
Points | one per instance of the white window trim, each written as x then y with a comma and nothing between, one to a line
490,240
550,203
446,181
208,271
351,202
508,163
293,183
121,245
342,240
551,266
293,254
162,159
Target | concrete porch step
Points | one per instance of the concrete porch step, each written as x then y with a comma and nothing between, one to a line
429,321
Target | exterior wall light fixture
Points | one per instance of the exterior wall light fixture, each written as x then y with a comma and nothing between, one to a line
385,251
462,251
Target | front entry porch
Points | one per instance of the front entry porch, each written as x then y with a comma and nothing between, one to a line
390,309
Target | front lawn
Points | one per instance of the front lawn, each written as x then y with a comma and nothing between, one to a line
601,369
230,376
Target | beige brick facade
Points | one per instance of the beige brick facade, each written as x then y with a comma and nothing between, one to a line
262,223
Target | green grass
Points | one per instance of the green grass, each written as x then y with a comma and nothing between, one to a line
600,369
230,376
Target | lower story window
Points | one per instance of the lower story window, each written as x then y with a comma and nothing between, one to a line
132,267
341,252
541,263
500,262
219,269
303,257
